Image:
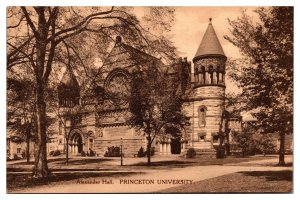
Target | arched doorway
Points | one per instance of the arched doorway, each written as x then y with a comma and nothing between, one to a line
76,143
175,139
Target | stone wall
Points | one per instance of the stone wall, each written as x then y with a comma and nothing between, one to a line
212,99
130,146
131,141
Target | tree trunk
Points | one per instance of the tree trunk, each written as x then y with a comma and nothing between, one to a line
40,165
28,148
281,149
148,149
227,144
67,149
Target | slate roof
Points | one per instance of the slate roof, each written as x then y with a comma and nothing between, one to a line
210,44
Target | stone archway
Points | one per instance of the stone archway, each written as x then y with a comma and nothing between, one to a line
171,139
175,143
76,142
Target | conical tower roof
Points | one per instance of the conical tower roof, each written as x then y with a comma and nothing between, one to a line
69,79
210,44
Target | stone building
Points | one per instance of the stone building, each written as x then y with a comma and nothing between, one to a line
102,112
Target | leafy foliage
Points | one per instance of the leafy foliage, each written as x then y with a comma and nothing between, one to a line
266,76
42,41
113,152
155,102
190,153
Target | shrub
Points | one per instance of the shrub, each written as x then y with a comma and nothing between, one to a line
92,153
113,152
141,152
23,154
16,157
191,153
56,153
152,151
220,152
51,153
83,154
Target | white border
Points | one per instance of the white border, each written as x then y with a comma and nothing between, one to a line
5,3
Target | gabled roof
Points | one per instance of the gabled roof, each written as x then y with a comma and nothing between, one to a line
69,79
210,44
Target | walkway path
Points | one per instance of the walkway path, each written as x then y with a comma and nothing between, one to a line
149,181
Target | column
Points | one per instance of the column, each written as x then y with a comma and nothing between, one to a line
200,75
207,77
160,148
214,74
164,148
223,78
168,148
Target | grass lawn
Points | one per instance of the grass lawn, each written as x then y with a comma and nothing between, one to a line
241,182
98,167
21,181
95,163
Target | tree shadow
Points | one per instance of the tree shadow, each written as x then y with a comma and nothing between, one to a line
20,181
83,161
166,163
284,175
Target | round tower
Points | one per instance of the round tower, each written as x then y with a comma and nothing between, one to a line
208,89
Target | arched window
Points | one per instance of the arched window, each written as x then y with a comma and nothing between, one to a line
196,75
202,116
203,74
211,71
217,74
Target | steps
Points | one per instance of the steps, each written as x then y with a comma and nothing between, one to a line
202,148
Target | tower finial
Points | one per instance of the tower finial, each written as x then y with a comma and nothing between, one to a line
210,19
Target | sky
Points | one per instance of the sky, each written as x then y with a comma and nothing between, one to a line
191,24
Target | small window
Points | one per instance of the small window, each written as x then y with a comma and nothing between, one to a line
201,136
60,141
18,150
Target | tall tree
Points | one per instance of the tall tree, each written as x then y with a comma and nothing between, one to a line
39,36
266,77
155,101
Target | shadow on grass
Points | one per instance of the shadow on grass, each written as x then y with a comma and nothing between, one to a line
286,175
83,161
72,161
21,181
166,163
32,162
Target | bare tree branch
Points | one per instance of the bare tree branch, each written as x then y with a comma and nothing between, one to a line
30,23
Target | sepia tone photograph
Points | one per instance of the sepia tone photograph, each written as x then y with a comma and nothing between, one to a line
157,99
